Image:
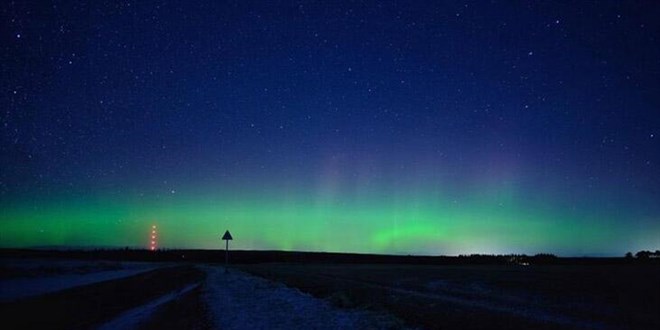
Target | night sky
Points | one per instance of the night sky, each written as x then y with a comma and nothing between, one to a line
411,127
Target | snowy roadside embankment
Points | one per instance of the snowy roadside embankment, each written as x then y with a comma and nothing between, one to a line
238,300
133,318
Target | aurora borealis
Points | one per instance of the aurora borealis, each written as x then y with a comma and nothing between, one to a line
429,128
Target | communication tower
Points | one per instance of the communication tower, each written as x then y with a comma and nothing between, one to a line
154,238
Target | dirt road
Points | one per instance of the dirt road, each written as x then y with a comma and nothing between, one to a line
237,300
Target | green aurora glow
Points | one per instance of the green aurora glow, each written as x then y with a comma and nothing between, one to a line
404,225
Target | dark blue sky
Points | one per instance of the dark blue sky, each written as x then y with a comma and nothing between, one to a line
562,98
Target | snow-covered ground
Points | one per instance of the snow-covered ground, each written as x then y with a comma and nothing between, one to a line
237,300
62,274
234,299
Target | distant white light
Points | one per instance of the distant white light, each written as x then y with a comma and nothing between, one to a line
18,35
530,53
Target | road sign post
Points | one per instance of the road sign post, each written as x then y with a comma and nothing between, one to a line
227,237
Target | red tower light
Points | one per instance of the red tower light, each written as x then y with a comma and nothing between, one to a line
154,242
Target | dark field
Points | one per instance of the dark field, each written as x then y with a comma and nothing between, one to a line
89,306
486,296
569,294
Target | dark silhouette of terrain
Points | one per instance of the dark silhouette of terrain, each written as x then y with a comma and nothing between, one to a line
451,292
251,257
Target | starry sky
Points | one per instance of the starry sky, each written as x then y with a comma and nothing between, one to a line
405,127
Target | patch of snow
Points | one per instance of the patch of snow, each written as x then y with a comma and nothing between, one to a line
237,300
13,289
51,267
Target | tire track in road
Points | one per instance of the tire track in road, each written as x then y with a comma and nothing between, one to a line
133,318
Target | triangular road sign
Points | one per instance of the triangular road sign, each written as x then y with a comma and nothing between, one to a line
227,236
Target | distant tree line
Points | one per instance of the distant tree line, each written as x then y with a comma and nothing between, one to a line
512,259
644,254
